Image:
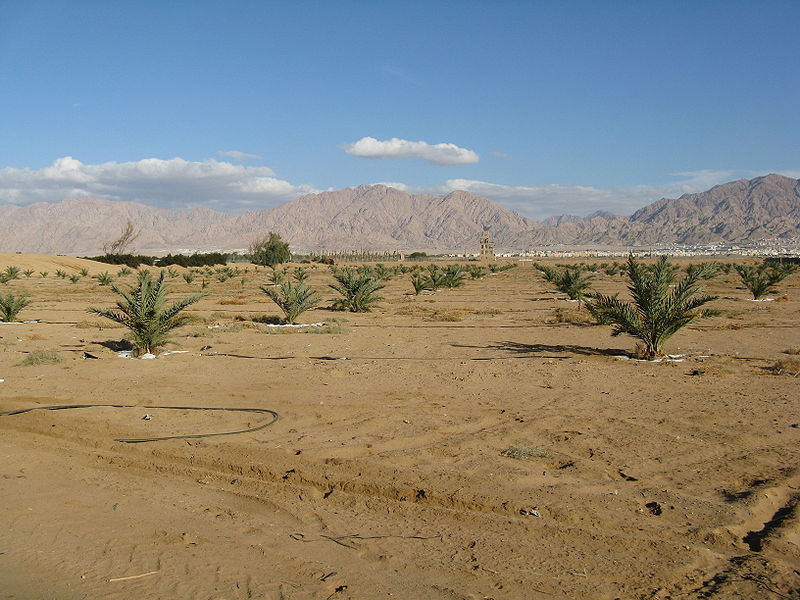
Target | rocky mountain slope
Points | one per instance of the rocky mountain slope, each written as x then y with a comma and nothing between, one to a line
379,217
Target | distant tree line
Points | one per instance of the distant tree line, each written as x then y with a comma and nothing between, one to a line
208,259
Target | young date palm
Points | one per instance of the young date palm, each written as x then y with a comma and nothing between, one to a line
358,291
569,280
292,299
104,278
10,305
142,309
300,275
453,276
420,283
762,279
658,310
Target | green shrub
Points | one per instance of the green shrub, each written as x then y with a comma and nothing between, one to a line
269,251
39,357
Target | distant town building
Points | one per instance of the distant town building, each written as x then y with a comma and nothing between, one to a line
487,246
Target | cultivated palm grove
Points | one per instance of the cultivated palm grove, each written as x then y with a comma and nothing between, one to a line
659,302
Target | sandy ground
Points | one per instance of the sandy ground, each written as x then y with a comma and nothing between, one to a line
385,475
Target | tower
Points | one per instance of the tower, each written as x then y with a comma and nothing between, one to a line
487,246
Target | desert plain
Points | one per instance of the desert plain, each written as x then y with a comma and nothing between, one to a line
483,442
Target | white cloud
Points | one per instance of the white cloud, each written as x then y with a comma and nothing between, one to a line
396,148
172,183
239,156
538,202
396,185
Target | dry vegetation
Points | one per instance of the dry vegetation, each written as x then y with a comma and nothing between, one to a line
484,441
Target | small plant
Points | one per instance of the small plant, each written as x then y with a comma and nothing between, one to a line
84,272
104,278
453,276
521,452
476,272
75,277
11,272
61,274
43,274
570,280
11,305
276,277
292,299
172,273
383,273
39,357
124,272
762,279
436,277
420,283
189,276
142,309
658,309
300,275
359,292
787,366
28,273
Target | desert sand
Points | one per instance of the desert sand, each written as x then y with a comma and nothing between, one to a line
385,475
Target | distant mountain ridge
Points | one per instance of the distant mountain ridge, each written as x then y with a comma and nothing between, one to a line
383,218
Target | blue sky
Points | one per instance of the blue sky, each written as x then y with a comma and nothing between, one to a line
544,107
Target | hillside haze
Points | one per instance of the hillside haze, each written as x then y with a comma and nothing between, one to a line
383,218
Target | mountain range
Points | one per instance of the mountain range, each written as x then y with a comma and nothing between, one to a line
383,218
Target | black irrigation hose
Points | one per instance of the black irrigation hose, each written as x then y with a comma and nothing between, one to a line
274,415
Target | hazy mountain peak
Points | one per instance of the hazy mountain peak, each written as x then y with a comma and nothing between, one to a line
385,218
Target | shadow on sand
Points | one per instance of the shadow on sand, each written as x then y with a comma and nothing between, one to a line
548,350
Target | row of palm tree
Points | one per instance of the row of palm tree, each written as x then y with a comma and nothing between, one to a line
659,306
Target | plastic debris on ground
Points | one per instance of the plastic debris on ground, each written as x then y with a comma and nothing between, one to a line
667,358
148,356
290,325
